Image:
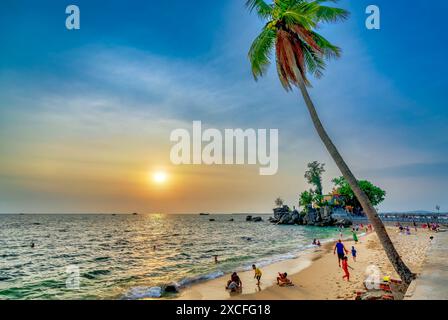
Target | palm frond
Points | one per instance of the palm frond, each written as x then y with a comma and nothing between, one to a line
260,51
330,14
329,50
263,9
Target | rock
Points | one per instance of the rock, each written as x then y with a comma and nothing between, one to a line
296,217
285,219
211,219
257,219
314,217
231,219
249,218
171,288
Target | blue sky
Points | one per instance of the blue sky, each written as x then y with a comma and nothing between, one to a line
84,113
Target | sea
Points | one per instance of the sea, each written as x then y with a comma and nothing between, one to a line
121,256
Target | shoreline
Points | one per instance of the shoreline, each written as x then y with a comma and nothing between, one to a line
315,274
214,289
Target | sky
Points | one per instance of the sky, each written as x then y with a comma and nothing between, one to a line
86,115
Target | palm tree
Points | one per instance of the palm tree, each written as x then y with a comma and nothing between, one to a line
299,50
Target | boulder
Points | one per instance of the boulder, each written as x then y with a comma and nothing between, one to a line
249,218
257,219
296,217
285,219
272,219
171,288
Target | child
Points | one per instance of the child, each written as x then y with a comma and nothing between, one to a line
282,279
257,274
345,267
354,253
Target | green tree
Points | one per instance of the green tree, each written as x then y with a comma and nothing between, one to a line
314,175
306,199
279,202
299,51
375,194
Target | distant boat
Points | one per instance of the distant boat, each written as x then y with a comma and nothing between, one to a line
211,219
204,214
135,213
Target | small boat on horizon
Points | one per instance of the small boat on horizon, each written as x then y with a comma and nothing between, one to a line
135,213
204,214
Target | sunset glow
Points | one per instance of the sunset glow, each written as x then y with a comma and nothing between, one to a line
159,177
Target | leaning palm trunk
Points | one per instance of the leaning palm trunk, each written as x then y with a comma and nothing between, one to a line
400,267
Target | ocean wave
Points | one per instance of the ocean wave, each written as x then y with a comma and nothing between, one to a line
200,278
143,292
95,274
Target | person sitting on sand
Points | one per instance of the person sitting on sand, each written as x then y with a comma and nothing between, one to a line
340,248
235,283
257,274
282,279
345,267
354,253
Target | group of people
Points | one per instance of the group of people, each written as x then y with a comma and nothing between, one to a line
361,227
431,226
236,285
342,252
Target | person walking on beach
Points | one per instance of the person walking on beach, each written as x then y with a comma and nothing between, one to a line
257,274
345,267
340,248
354,253
355,237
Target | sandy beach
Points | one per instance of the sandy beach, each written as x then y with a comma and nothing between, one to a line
316,274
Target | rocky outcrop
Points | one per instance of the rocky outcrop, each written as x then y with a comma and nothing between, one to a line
284,215
314,217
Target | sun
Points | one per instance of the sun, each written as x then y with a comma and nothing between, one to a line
159,177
